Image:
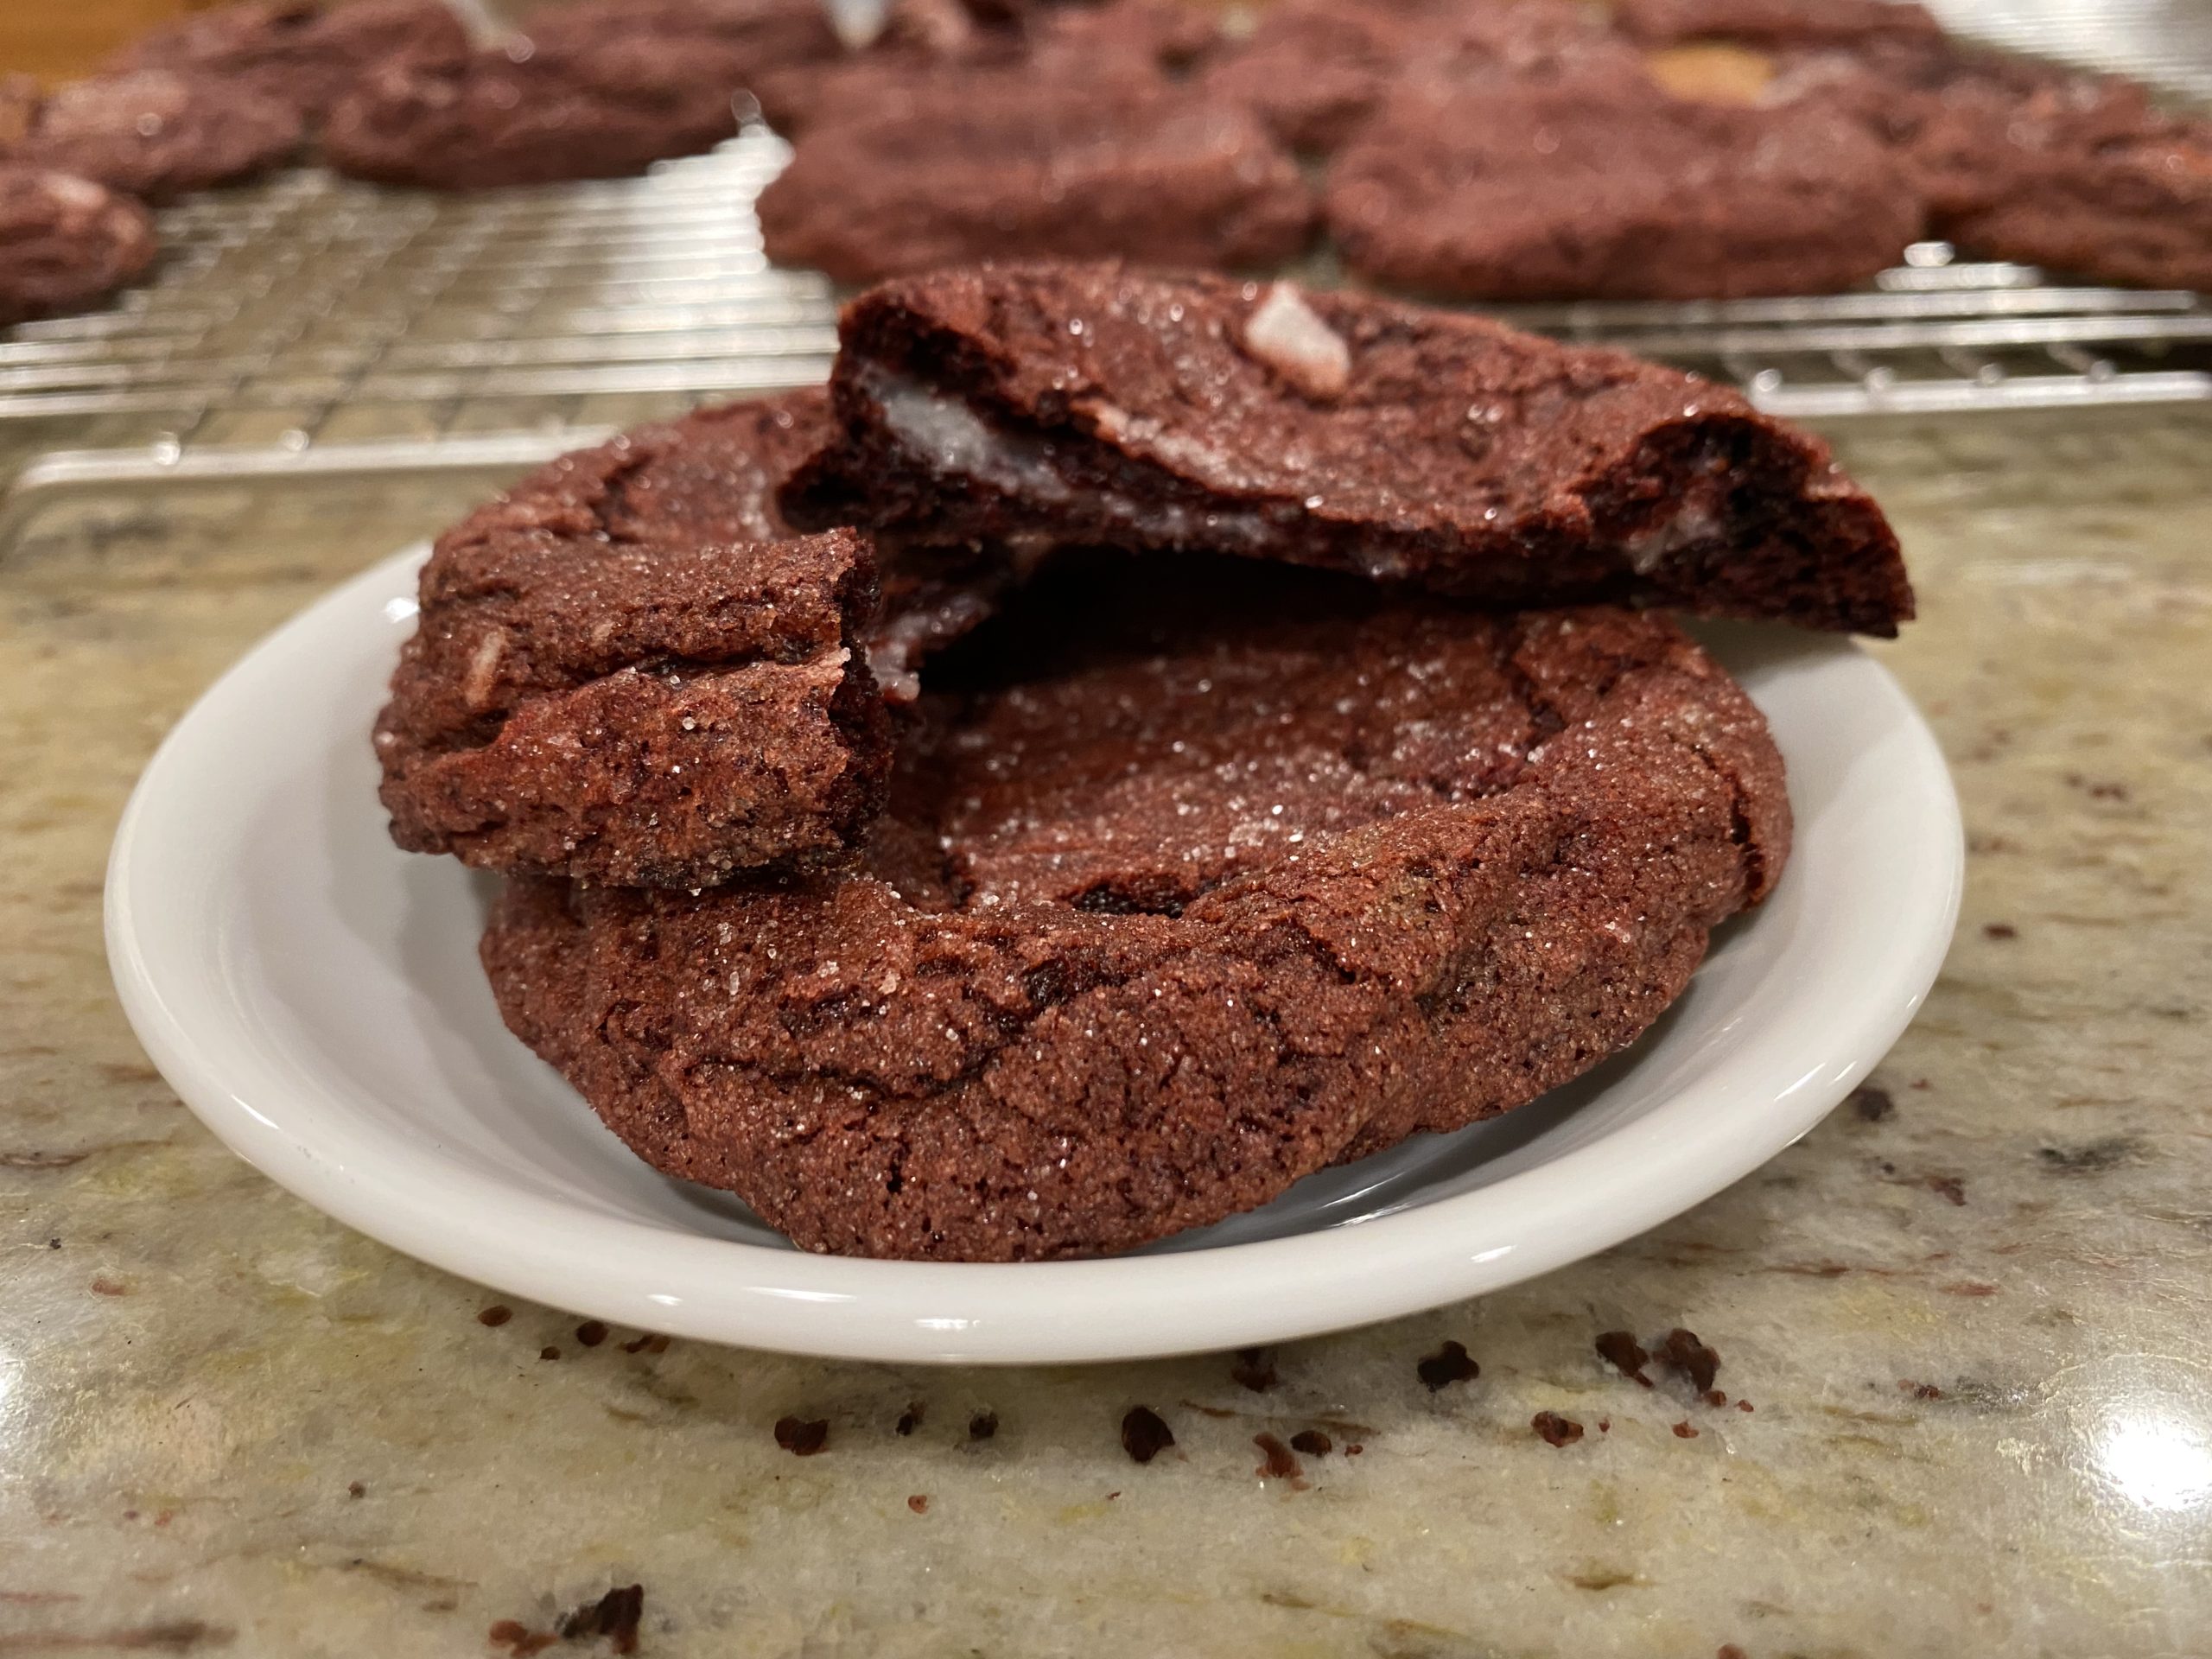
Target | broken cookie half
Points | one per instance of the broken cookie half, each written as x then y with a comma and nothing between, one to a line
1094,404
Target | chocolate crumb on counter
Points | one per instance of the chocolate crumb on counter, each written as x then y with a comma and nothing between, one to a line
918,1504
498,1314
1279,1464
1872,1104
1447,1365
1604,1425
1715,1398
591,1333
1729,1650
1684,1431
801,1437
519,1639
1255,1370
2000,931
647,1343
1313,1442
1742,1405
1624,1354
1555,1430
909,1420
548,1351
1919,1390
355,1489
614,1616
1145,1435
982,1425
1695,1359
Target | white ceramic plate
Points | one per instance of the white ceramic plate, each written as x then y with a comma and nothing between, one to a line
313,995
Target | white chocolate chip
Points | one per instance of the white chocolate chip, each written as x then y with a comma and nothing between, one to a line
477,685
1287,334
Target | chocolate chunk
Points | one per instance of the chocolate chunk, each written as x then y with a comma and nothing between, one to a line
1313,1442
1145,1435
1447,1365
801,1437
1089,404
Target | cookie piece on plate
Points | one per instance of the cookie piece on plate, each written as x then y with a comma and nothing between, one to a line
494,118
1257,872
629,670
304,55
996,165
1574,190
610,683
64,242
1101,405
151,133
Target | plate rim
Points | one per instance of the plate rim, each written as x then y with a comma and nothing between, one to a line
733,1293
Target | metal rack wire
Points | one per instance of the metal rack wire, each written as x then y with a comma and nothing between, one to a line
308,327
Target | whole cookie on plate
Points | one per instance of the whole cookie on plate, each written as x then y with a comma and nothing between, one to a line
1254,872
1101,405
991,164
64,242
628,668
301,54
1572,190
151,133
538,115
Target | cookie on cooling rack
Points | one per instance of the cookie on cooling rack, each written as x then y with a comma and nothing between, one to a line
1099,405
1196,881
302,54
152,133
998,166
540,113
64,242
1576,190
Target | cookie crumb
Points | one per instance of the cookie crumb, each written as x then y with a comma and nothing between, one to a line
355,1489
1145,1435
1695,1359
1313,1442
1279,1464
548,1351
1255,1370
2000,931
1872,1104
1624,1354
1555,1430
801,1437
918,1504
591,1333
982,1425
1447,1365
498,1314
909,1420
1684,1431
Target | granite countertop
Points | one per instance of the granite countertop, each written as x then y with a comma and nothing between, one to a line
1965,1326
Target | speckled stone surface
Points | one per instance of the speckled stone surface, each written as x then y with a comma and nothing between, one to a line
1973,1311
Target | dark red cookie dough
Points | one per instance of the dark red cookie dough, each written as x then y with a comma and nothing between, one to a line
151,133
304,55
1226,889
536,113
1573,190
64,242
621,675
1095,404
996,165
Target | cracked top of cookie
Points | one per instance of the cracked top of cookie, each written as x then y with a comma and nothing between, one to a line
1099,404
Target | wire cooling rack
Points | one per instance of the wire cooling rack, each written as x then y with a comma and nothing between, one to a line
308,327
